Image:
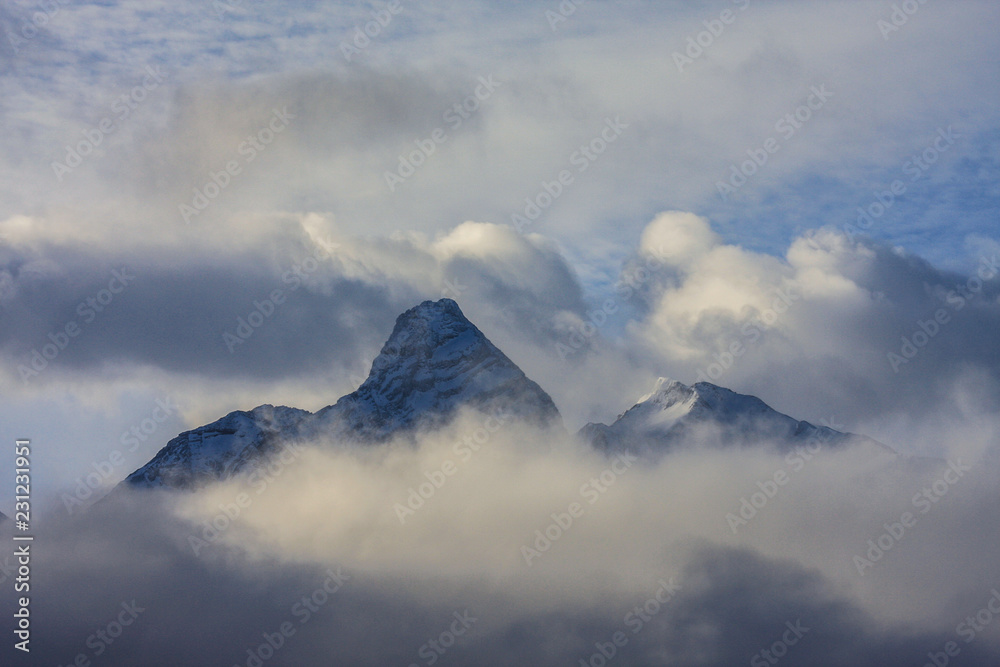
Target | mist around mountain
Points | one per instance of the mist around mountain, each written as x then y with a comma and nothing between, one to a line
436,362
443,512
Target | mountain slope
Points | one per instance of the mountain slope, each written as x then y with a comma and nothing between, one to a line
220,449
434,362
674,413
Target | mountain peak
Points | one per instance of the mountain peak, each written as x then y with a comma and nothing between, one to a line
433,311
435,360
666,391
423,331
699,399
674,411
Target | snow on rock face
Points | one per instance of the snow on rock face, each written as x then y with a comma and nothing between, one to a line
434,361
220,449
673,412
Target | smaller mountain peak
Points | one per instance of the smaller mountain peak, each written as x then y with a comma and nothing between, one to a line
665,391
675,413
665,383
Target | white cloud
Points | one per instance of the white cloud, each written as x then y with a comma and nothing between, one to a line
825,329
449,507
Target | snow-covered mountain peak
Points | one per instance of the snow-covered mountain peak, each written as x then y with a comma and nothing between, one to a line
674,413
434,334
661,408
701,400
434,361
666,391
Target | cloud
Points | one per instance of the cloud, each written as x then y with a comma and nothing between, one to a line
870,331
354,119
863,330
705,595
820,333
678,238
316,299
604,295
393,510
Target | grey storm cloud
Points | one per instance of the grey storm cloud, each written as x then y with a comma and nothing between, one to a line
284,307
174,315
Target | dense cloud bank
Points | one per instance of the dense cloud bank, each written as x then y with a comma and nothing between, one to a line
526,546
